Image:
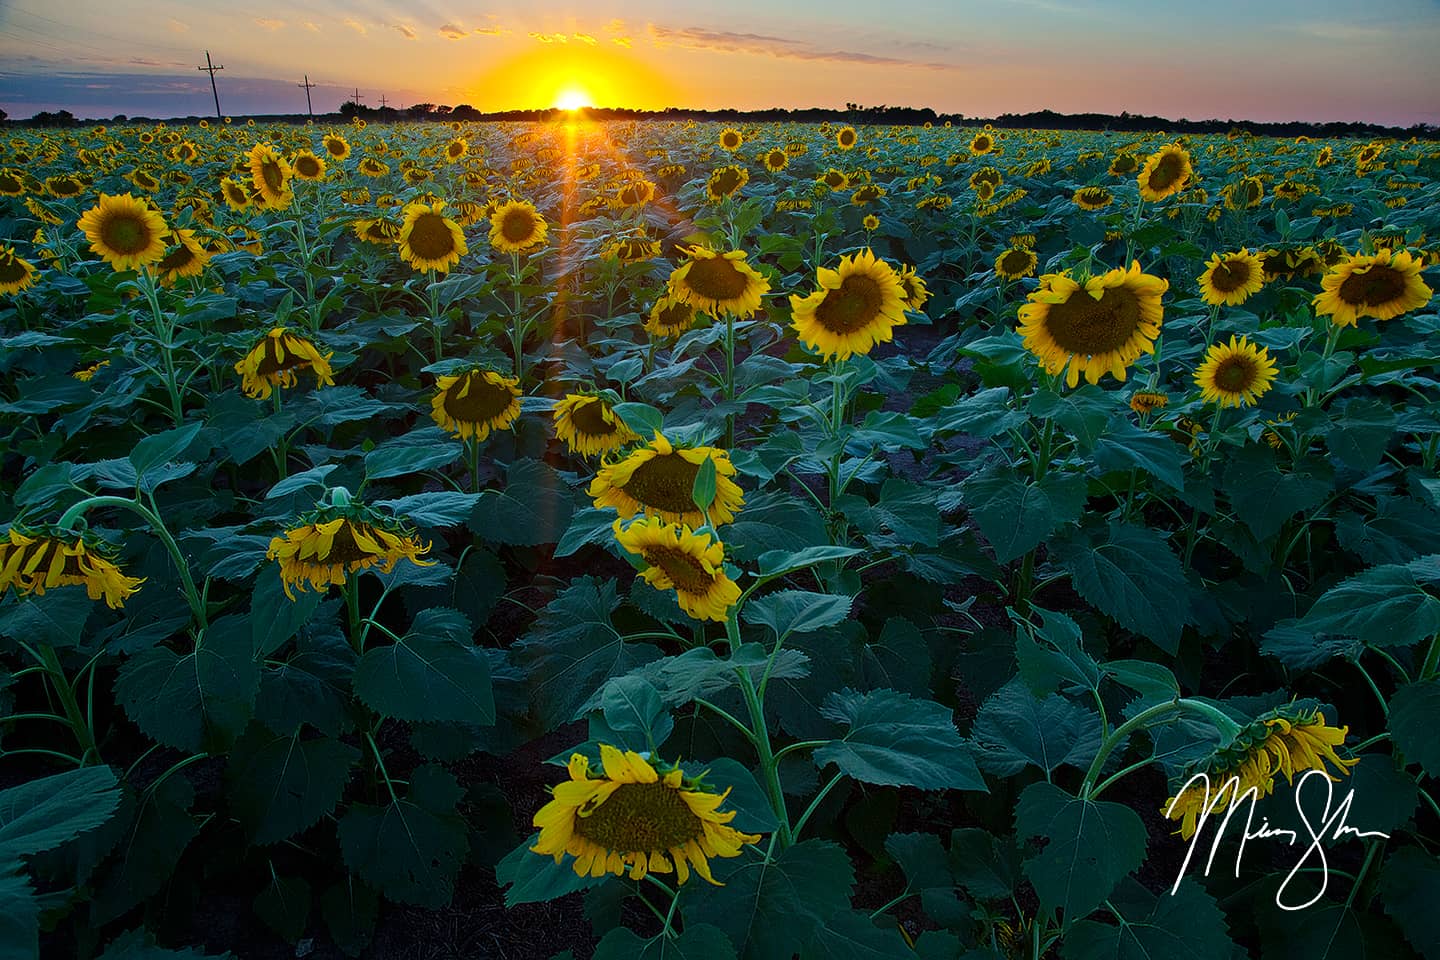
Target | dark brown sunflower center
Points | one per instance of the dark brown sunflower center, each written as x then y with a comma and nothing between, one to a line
474,399
867,193
307,167
1089,327
1375,286
716,278
64,187
335,148
178,259
683,569
273,176
725,182
1254,191
777,158
344,549
145,180
455,149
639,818
664,482
12,270
1235,374
852,307
677,316
730,140
518,226
430,237
236,193
1167,172
272,362
589,419
834,179
1230,275
9,183
125,233
982,144
1016,261
1123,163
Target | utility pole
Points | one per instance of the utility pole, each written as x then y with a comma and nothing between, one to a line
211,68
355,97
307,85
383,101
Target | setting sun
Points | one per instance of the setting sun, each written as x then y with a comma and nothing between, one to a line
573,99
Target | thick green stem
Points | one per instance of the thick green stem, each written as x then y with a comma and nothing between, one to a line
1227,727
760,732
84,735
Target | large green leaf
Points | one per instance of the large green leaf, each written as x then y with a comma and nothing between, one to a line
284,906
1187,925
350,908
1413,712
415,451
985,865
274,617
19,916
926,866
160,828
1410,890
312,686
433,674
1090,846
1130,573
1052,654
1015,514
897,740
1126,447
412,848
797,611
852,935
699,941
140,945
534,507
1014,729
528,877
43,813
1385,606
439,508
280,784
1083,412
1264,496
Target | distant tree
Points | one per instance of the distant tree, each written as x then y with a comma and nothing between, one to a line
3,116
465,112
441,111
351,109
119,118
419,111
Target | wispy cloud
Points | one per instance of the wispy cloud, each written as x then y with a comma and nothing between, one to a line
356,25
406,31
453,31
312,27
622,41
550,37
1345,32
490,31
268,23
177,26
697,38
583,38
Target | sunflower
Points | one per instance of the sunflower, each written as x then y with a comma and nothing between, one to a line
516,227
333,541
473,403
40,559
371,167
16,273
187,258
730,139
986,175
1229,279
275,359
678,559
836,180
634,194
857,306
775,160
1099,326
636,816
1166,172
589,427
125,231
1148,401
846,138
871,223
336,147
377,230
726,181
718,283
1015,263
1290,261
1092,198
670,317
270,175
429,240
87,373
658,480
913,288
982,144
64,186
1382,285
307,166
12,183
456,149
1235,373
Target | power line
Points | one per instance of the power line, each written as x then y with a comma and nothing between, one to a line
211,68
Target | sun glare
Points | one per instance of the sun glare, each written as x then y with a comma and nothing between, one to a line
573,99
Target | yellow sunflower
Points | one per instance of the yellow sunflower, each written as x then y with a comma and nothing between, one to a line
679,559
633,815
456,149
333,541
1015,263
1382,285
377,230
634,194
725,182
913,286
775,160
16,273
670,317
371,167
516,227
276,358
1096,327
658,480
33,561
857,306
1166,172
871,223
473,403
270,175
86,374
589,427
237,198
336,147
866,193
982,144
1229,279
836,180
187,258
64,186
429,240
1092,198
631,249
1235,373
846,138
730,139
307,166
718,283
125,231
12,182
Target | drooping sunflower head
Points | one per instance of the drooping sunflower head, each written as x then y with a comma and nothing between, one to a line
1093,198
658,480
718,283
835,179
516,227
631,249
36,559
913,288
1229,279
377,230
1235,373
846,138
670,317
429,240
857,306
1166,172
125,231
371,167
866,193
636,815
1382,285
321,548
16,273
679,559
275,360
186,258
307,166
1096,327
1123,164
588,425
726,181
64,186
1290,261
237,197
1015,263
473,403
270,176
1148,401
12,183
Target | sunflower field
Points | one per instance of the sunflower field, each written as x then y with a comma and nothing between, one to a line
666,540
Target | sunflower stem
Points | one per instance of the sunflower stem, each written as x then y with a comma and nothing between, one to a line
815,804
380,767
1432,659
1226,727
517,332
164,332
352,605
65,691
760,733
729,379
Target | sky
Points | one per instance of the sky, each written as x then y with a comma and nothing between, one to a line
1312,60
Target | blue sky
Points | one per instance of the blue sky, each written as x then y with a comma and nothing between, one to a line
1319,60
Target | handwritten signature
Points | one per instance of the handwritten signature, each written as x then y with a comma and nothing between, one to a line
1332,825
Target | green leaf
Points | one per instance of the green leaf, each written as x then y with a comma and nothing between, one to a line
41,814
889,429
1187,925
1052,654
1083,412
57,619
160,448
284,906
274,617
140,945
1410,889
642,418
198,702
1263,496
984,414
1015,514
1400,530
635,718
19,916
1413,710
312,686
926,866
797,611
700,672
529,877
160,828
314,478
852,935
1300,649
700,941
430,675
1384,606
412,848
770,911
1090,846
777,563
534,508
1361,432
416,451
897,740
442,508
350,909
1130,574
1327,931
1013,729
702,491
587,526
280,784
1153,681
1126,447
985,865
898,658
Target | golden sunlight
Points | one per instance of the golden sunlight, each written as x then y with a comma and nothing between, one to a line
570,78
572,99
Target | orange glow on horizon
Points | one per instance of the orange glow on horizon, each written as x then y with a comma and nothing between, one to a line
570,77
